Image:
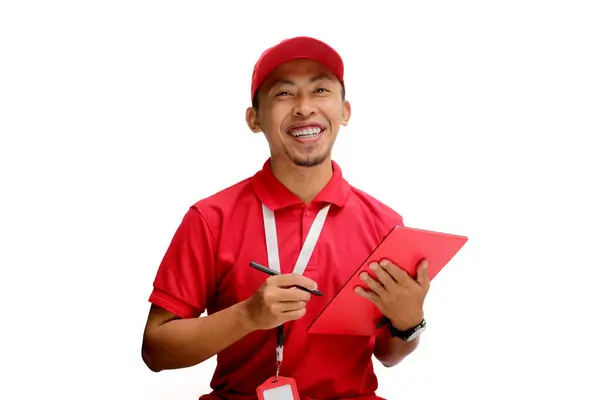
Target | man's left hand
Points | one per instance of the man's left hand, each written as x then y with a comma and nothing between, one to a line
397,295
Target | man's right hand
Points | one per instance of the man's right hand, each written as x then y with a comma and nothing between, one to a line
278,301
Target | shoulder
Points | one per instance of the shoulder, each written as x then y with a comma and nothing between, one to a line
376,209
216,207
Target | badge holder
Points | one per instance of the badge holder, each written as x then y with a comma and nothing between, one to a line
278,387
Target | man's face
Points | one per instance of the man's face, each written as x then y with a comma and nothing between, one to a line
300,110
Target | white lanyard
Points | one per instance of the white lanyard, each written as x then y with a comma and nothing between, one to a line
303,258
307,248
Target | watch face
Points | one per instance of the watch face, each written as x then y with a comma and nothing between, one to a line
415,334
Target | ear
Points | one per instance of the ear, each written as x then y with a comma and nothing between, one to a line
346,112
252,120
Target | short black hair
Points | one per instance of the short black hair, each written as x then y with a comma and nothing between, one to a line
255,98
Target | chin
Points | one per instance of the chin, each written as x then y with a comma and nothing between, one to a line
310,161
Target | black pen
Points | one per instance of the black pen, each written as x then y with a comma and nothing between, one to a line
271,272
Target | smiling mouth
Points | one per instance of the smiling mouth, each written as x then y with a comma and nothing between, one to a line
310,132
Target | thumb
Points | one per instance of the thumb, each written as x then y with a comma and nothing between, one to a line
423,273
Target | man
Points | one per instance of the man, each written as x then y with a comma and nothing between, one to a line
298,103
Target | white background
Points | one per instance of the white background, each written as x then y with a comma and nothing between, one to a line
470,117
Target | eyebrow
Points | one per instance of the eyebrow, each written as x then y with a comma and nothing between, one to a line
320,77
314,79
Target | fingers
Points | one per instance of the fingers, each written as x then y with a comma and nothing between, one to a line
403,278
289,309
278,300
367,294
397,273
382,275
287,280
372,283
280,305
289,306
423,274
275,293
285,300
294,315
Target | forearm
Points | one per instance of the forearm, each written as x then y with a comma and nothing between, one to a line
184,343
391,351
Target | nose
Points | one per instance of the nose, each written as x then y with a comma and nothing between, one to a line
304,107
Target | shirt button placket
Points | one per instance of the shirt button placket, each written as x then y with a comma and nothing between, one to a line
306,221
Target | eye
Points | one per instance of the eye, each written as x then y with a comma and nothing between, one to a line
321,90
283,93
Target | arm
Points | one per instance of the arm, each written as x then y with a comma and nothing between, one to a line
175,337
400,299
391,351
171,342
186,281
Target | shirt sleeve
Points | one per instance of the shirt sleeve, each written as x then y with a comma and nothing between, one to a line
185,281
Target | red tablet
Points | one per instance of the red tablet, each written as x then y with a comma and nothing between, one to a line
349,314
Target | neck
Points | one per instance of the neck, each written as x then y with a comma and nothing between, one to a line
304,182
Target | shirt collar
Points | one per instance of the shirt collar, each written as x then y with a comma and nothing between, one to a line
275,195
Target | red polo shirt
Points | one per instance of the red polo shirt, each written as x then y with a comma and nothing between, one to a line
206,268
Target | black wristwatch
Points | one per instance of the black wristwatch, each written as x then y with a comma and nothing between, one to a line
408,334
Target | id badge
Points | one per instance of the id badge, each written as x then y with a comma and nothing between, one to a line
278,388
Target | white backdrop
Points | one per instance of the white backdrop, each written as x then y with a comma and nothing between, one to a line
470,117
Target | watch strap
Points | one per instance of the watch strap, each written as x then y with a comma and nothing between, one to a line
406,334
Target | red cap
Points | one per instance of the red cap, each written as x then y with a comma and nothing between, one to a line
293,49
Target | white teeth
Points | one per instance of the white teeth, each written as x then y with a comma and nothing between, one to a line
309,132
